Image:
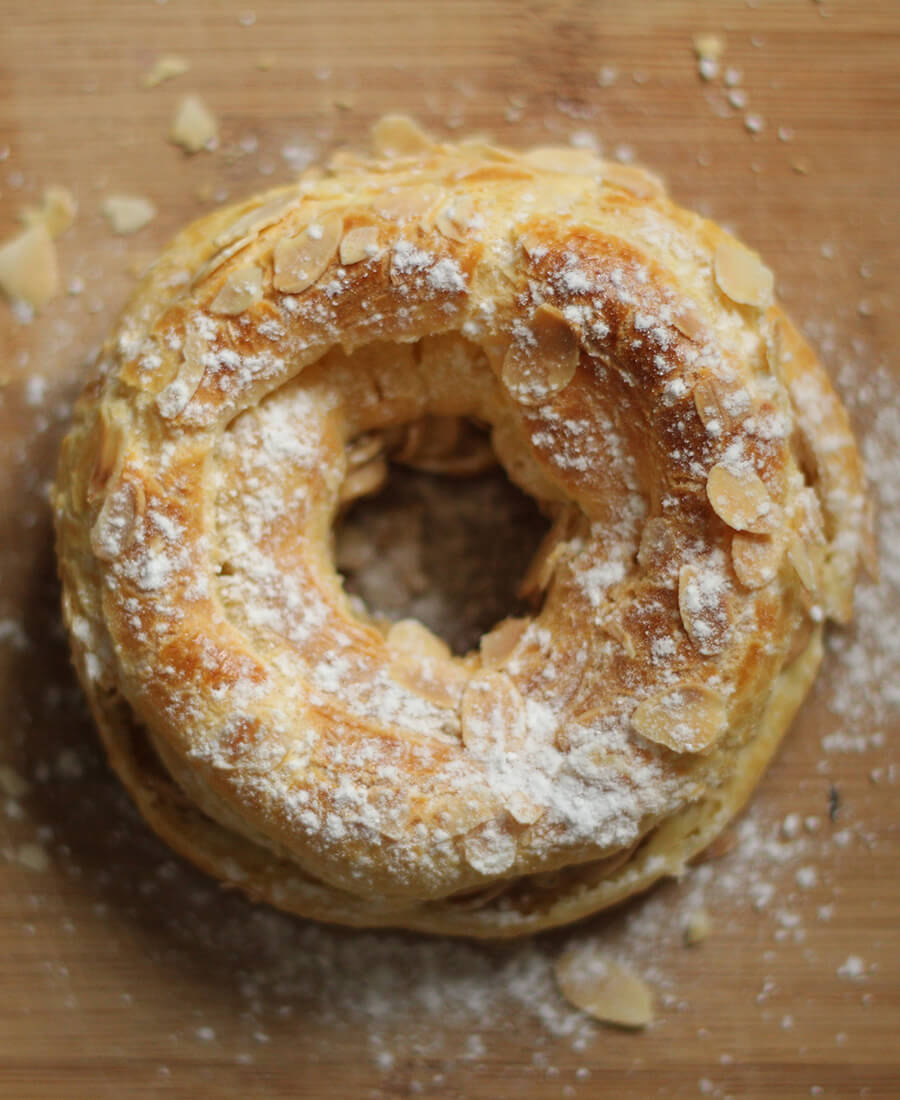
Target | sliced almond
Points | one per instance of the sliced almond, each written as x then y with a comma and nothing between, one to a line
253,221
741,500
456,219
399,136
636,181
57,211
460,813
359,244
492,714
243,288
541,365
363,480
559,158
393,810
176,396
406,203
490,849
806,564
498,644
703,604
756,558
742,275
523,808
301,260
603,988
689,323
410,638
688,718
110,446
194,126
28,268
114,528
552,549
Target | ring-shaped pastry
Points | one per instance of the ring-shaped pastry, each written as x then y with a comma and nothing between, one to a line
445,304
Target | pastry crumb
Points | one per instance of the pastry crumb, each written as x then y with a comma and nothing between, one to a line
697,927
56,212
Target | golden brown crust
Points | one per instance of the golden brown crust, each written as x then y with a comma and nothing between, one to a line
638,379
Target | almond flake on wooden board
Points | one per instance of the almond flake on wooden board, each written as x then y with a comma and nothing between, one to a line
742,276
166,67
605,989
127,214
56,212
29,271
697,927
194,126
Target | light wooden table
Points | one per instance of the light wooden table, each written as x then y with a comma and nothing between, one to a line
124,974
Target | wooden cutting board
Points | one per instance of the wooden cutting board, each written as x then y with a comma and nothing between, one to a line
125,974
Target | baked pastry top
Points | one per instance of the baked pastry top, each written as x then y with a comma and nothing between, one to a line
450,305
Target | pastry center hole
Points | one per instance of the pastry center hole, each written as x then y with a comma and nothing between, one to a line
449,551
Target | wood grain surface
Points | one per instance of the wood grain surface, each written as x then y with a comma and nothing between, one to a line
124,973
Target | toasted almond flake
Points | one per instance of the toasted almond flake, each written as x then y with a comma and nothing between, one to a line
756,558
697,927
28,268
552,548
740,499
435,678
110,437
406,203
359,244
176,396
605,989
498,644
455,221
410,638
166,67
242,289
688,322
559,158
57,211
636,181
33,857
114,528
194,126
687,718
490,849
703,609
537,369
492,714
742,275
363,480
12,784
127,214
460,814
393,809
805,563
523,808
301,260
717,403
399,136
253,221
